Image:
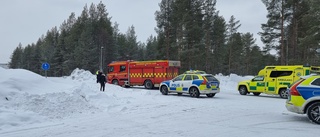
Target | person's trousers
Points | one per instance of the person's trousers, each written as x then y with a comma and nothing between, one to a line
102,85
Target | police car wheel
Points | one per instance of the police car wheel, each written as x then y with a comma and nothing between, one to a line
211,95
194,92
243,90
283,93
313,112
164,90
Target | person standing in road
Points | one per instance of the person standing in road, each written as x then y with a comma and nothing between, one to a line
99,73
102,82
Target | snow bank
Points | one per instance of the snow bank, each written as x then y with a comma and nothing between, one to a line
18,80
230,81
81,75
27,97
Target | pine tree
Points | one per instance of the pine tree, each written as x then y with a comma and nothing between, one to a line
234,42
26,58
208,27
309,36
131,43
116,35
16,57
273,35
219,49
36,59
248,45
166,24
151,51
57,59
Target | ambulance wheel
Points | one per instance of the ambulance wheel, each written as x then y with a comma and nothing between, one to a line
148,84
194,92
164,90
115,82
256,93
313,112
283,93
243,90
211,95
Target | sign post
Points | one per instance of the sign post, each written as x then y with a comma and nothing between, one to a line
45,66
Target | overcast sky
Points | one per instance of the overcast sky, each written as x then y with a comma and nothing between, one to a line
24,21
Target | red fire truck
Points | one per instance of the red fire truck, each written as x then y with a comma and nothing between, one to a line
142,73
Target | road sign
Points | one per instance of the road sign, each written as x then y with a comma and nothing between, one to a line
45,66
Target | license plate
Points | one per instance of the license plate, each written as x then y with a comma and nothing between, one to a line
213,84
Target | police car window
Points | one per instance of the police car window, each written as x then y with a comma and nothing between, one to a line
110,69
178,78
122,68
316,82
187,77
210,78
194,77
275,74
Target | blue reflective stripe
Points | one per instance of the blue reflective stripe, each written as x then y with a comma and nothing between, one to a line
166,82
197,82
173,88
308,92
185,89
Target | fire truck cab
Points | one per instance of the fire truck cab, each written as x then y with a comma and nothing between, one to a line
142,73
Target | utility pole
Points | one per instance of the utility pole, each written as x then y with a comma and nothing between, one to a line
101,58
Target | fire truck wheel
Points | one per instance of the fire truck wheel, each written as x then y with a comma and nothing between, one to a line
164,90
115,82
194,92
148,84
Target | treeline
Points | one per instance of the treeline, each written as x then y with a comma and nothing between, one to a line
80,42
293,30
191,31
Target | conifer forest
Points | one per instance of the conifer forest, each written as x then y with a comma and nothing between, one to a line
191,31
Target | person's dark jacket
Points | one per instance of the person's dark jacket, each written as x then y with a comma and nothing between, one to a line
102,79
99,77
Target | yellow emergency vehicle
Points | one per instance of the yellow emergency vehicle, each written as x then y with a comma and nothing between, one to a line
274,80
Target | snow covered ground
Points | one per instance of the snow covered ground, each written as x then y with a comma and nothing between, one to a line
73,106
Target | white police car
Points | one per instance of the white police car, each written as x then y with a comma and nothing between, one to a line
193,84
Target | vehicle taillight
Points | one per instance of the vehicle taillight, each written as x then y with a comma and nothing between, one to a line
204,82
293,89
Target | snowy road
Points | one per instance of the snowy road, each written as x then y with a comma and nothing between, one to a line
227,114
137,112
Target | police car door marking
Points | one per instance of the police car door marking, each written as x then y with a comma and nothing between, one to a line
175,85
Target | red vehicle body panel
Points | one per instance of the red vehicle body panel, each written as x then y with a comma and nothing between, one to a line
136,73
